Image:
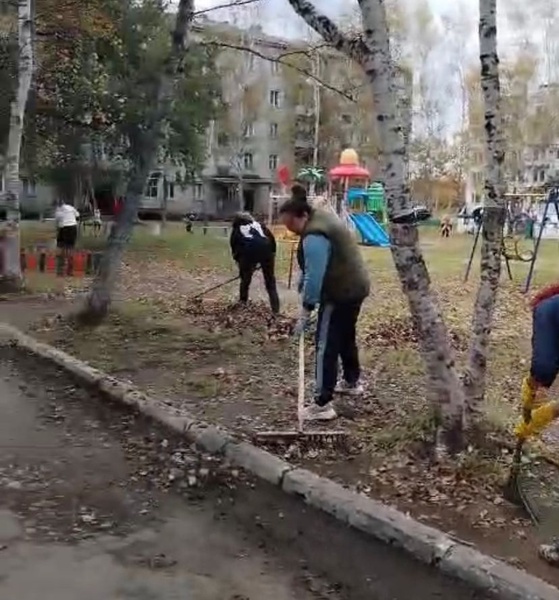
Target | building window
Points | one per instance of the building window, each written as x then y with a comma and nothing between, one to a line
275,67
273,130
275,98
153,185
248,130
248,160
198,191
170,189
273,162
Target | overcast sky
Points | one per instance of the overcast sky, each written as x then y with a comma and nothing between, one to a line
453,49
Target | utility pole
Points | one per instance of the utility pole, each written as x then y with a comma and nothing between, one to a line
165,199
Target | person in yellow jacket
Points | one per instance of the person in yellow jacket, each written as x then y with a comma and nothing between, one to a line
544,369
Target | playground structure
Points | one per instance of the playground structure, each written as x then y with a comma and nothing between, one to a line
361,205
350,195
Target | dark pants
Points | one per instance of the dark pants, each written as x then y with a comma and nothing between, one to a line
66,237
336,340
247,266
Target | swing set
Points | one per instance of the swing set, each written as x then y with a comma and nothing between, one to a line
514,241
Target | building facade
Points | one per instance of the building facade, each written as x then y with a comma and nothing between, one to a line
288,104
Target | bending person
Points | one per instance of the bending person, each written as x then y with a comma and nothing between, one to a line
254,245
334,279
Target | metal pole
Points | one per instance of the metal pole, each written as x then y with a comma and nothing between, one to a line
539,238
476,238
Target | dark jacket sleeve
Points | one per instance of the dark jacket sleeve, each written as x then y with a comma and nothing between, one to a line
270,237
235,243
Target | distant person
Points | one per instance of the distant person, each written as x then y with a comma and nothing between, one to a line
446,226
334,280
97,221
66,219
477,216
254,245
189,222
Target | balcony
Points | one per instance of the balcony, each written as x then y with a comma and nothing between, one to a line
304,140
303,111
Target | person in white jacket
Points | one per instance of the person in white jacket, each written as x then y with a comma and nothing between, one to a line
66,219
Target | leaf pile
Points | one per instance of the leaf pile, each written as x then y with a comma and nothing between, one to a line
255,318
399,330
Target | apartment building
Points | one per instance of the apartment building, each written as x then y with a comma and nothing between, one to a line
276,115
282,115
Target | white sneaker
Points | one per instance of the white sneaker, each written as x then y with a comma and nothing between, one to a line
350,390
319,413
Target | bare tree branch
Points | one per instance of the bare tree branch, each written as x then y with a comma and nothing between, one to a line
232,4
328,30
280,60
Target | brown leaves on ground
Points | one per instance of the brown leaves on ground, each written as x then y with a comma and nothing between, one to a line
399,330
237,366
242,319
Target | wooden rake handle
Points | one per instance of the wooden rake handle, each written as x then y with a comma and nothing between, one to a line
301,391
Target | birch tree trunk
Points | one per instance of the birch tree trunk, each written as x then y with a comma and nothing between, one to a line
372,51
144,143
316,127
494,212
11,276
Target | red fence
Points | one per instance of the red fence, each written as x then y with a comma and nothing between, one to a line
77,264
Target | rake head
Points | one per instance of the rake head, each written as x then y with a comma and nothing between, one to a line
515,489
304,439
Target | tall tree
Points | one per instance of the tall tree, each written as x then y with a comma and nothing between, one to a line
144,139
494,212
11,275
371,49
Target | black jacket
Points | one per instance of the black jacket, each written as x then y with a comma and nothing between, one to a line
251,240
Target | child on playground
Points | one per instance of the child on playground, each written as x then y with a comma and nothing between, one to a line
544,368
97,221
253,245
446,226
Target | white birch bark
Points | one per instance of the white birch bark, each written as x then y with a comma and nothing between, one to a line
11,275
494,209
372,52
144,151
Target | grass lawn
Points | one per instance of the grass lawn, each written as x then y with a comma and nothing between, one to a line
232,368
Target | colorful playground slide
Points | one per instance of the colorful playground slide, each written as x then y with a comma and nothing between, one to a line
372,233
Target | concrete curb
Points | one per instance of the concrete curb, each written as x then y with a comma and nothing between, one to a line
426,544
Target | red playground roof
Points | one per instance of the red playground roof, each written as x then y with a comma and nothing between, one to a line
348,171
